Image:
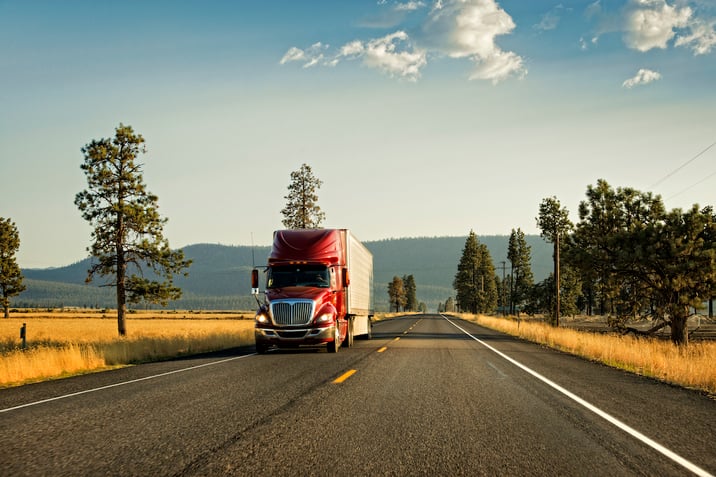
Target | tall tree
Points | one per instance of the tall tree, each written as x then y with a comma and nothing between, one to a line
519,253
396,293
553,221
127,241
411,299
302,210
663,263
474,282
10,274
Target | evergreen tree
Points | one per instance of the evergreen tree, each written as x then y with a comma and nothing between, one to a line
411,299
127,240
489,295
396,293
648,260
475,279
553,221
521,278
10,275
302,210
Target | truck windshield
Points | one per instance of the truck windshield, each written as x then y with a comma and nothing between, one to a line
298,276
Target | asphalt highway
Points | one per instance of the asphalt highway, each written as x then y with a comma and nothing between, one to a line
428,395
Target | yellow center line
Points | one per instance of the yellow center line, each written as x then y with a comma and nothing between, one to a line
396,338
382,349
344,376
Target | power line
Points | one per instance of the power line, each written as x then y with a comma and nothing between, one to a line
693,185
681,167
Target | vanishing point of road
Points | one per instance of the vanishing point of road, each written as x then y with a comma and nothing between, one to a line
428,395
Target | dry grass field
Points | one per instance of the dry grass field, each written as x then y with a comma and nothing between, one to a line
62,343
691,366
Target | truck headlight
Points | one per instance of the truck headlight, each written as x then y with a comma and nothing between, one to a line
262,318
325,318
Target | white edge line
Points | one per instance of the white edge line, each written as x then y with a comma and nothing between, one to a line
608,417
86,391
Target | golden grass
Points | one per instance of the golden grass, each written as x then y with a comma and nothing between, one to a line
691,366
60,344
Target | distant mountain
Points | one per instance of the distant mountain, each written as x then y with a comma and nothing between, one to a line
219,277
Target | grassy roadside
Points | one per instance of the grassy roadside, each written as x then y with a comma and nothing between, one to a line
690,367
61,344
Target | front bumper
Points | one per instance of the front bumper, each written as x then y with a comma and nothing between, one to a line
294,336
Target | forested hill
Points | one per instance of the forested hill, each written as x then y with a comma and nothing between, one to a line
219,275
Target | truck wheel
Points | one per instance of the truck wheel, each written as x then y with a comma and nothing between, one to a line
261,348
333,346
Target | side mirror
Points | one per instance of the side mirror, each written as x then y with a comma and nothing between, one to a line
254,282
346,278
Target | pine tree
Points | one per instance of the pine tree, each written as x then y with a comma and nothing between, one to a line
302,210
467,279
553,221
127,242
396,293
649,261
521,279
10,275
411,299
474,282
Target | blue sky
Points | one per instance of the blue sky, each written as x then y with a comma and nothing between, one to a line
422,118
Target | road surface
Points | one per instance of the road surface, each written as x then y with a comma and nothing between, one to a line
427,395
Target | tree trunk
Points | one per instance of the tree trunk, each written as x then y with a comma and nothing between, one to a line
679,330
121,293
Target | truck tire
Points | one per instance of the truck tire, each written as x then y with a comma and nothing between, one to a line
261,348
333,346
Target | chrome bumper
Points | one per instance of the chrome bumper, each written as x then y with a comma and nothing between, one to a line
294,336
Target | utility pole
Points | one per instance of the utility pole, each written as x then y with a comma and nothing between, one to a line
556,280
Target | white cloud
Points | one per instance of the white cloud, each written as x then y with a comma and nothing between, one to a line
467,29
310,57
651,23
383,54
409,6
702,38
550,20
456,28
353,48
499,66
293,54
642,77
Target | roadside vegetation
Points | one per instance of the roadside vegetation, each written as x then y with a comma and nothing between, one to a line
688,366
63,344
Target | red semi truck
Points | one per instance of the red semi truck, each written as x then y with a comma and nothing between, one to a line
319,290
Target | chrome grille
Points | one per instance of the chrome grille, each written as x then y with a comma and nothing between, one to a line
292,312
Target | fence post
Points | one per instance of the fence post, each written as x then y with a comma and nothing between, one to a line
23,335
